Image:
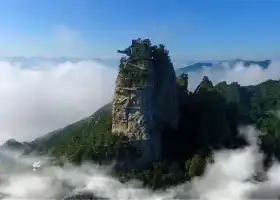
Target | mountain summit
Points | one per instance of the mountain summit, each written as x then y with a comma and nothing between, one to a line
173,130
145,99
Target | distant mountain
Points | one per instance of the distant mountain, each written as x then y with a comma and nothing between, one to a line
50,139
198,66
13,144
53,138
208,120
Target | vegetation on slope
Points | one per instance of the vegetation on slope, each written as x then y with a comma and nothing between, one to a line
209,119
258,105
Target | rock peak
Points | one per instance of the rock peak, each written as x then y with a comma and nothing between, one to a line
204,85
145,97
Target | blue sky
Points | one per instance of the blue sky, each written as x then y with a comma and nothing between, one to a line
191,29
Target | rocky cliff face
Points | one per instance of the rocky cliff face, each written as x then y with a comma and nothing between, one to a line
205,85
182,82
145,99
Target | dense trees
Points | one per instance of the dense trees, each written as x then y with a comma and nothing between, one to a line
209,119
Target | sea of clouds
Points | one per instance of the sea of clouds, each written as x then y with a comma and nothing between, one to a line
40,99
226,179
250,75
50,95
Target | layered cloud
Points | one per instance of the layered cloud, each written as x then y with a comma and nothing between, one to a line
37,100
244,75
229,178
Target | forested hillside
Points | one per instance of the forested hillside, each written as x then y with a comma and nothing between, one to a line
209,119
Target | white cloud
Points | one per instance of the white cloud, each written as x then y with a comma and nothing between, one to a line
227,179
40,99
250,75
37,100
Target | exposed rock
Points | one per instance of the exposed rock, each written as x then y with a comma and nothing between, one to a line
84,196
205,85
145,97
182,82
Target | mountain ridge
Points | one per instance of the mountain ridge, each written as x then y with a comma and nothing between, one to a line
199,66
244,96
208,120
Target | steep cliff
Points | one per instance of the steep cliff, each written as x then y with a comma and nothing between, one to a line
205,85
182,82
145,100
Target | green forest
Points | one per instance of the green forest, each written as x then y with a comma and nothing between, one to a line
209,120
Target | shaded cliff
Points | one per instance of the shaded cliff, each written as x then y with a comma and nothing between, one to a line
205,85
179,129
145,100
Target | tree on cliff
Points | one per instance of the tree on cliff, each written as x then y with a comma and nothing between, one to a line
208,119
206,122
